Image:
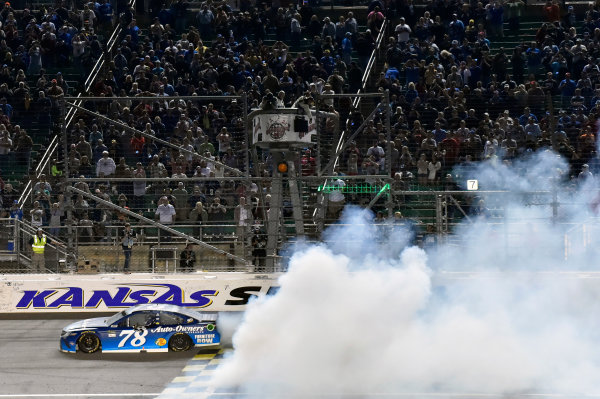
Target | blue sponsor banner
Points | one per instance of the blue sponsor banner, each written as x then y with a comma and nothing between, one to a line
79,294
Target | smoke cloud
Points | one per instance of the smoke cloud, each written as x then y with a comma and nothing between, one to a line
501,310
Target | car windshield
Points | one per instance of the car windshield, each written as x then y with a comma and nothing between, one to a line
114,319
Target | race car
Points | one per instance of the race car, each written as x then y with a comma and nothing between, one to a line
142,328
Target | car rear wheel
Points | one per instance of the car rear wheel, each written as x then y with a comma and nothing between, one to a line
88,343
180,342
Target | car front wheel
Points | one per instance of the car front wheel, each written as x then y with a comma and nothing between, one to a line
88,343
180,342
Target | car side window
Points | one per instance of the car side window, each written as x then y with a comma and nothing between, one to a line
138,319
170,319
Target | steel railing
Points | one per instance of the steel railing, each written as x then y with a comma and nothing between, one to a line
365,79
17,234
356,102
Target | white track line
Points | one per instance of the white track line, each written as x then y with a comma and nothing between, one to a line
76,395
410,395
421,394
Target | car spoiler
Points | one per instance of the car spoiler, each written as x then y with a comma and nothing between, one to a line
208,316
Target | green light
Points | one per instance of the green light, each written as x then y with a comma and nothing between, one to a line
384,188
362,188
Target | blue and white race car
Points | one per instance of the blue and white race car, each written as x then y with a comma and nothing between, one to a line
142,328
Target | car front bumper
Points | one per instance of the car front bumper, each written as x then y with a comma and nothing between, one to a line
67,345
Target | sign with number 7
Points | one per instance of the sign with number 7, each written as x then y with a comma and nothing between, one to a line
472,185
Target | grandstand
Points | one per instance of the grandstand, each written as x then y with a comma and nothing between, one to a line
116,113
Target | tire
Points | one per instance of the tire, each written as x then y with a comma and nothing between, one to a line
180,342
88,343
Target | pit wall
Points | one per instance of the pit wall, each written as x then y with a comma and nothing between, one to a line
43,293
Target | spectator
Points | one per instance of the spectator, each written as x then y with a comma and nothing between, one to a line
378,156
127,244
456,29
328,28
139,187
188,259
38,244
199,217
422,169
496,19
243,221
347,48
181,201
216,215
433,168
106,166
513,15
336,198
552,11
37,215
42,185
205,20
224,139
403,31
567,89
295,29
585,173
165,212
375,19
481,210
83,147
6,145
259,248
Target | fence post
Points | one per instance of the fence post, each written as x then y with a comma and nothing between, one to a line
319,135
70,256
388,127
438,215
16,240
554,205
247,134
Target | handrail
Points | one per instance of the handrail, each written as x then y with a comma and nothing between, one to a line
38,170
161,226
580,224
372,59
25,193
364,81
30,229
45,159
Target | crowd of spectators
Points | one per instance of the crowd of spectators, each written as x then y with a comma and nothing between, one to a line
37,47
219,52
455,98
459,96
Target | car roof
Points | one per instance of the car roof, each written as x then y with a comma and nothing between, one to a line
165,308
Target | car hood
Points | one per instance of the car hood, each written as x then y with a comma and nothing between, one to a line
87,323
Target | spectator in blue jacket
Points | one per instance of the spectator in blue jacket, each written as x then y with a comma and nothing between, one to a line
456,29
567,89
392,73
496,20
347,48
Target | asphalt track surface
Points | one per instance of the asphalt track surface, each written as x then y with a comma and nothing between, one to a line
31,366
